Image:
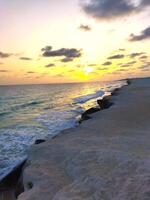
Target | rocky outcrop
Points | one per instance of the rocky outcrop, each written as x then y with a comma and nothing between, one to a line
107,157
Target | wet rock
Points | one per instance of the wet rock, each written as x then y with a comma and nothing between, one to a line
39,141
104,103
115,92
85,115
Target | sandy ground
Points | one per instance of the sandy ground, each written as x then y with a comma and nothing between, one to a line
105,158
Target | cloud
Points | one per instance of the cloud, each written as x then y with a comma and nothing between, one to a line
144,57
131,62
102,68
67,53
122,70
3,71
145,34
145,3
47,48
30,72
85,27
4,55
128,64
25,58
125,65
117,56
66,59
133,55
107,63
50,65
109,9
91,65
121,49
145,67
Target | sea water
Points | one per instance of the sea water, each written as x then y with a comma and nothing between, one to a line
30,112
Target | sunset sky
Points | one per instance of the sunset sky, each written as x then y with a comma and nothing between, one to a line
47,41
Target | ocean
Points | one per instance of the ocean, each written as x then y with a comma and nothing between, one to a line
30,112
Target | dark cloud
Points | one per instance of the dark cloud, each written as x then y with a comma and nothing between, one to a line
133,55
110,9
3,70
117,56
69,54
145,3
107,63
145,34
50,65
66,59
107,9
25,58
85,27
4,55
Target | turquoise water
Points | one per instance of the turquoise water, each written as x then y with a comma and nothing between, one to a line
34,112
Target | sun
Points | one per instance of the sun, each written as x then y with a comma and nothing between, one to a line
88,70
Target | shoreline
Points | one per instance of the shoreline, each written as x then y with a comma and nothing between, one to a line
11,185
107,157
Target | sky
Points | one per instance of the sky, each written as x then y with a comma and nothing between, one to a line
46,41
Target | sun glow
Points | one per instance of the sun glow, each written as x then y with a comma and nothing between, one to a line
88,70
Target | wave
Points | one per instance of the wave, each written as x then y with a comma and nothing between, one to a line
29,104
85,98
2,114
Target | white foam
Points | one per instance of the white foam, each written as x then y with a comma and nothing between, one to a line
85,98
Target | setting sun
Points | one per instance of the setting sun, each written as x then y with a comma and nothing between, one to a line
88,70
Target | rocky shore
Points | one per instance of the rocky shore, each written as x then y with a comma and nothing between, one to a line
105,158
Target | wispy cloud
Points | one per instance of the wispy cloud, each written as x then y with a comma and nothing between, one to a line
67,59
50,65
117,56
85,27
107,63
30,72
5,55
3,71
25,58
133,55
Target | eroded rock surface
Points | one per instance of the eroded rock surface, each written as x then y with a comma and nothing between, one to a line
105,158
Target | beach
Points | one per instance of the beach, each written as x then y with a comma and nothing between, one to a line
106,157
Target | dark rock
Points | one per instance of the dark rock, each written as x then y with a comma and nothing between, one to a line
39,141
115,92
14,180
128,81
104,103
85,115
91,111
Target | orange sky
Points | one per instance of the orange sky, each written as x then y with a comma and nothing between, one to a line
73,41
